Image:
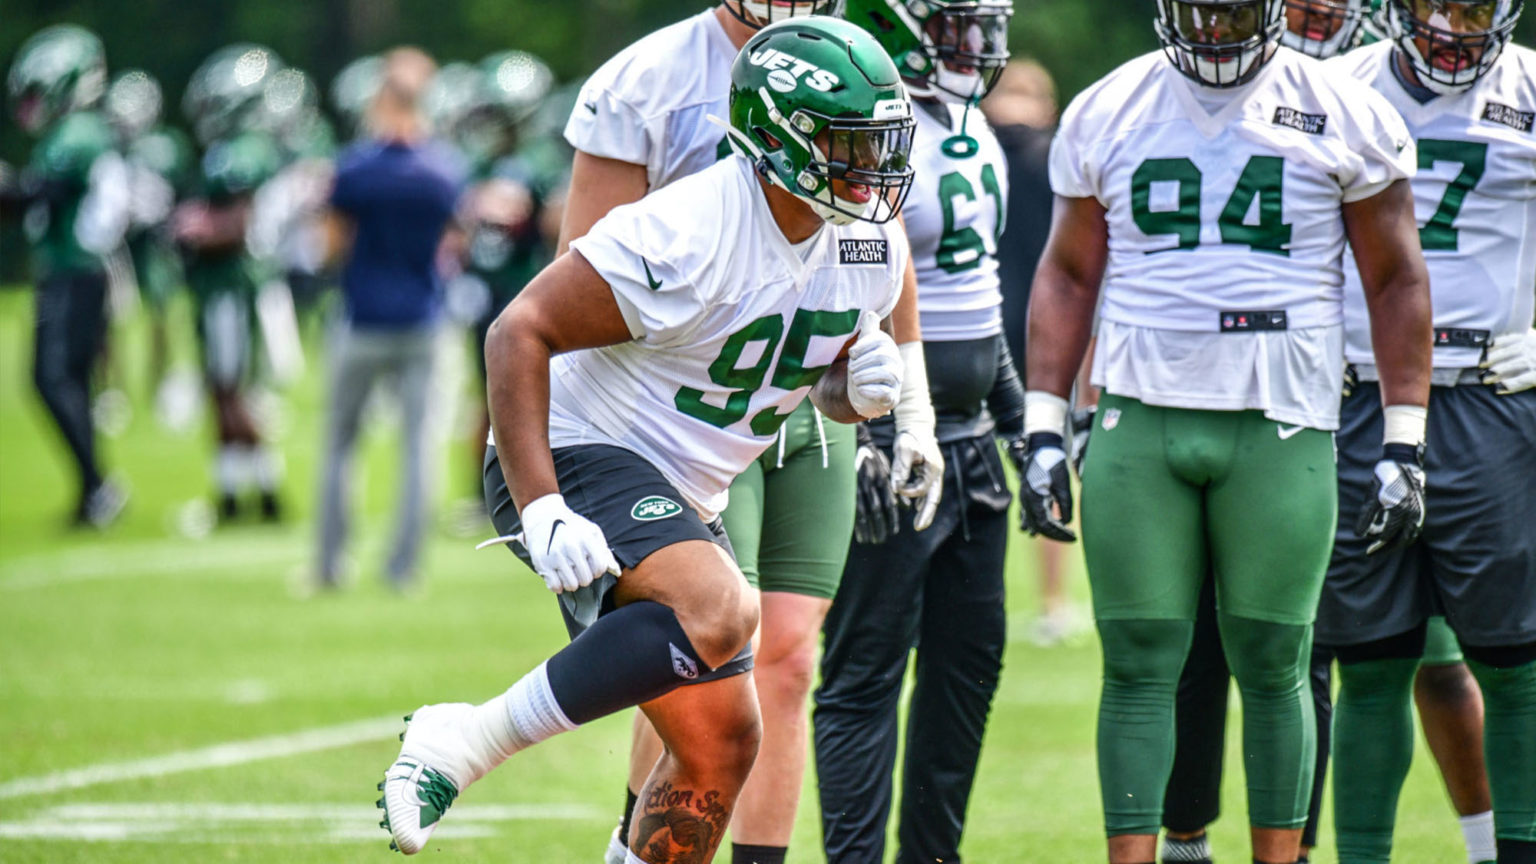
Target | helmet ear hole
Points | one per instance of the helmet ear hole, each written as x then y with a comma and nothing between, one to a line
767,141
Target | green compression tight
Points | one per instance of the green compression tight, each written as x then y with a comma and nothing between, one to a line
1372,750
1509,745
1142,661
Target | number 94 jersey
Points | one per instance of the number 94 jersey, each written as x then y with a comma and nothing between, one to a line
732,326
1475,199
954,217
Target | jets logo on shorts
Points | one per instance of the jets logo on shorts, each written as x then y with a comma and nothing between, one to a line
654,507
684,667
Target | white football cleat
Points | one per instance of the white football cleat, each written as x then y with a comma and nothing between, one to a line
436,764
617,853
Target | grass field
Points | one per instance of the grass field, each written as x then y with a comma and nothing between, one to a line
166,699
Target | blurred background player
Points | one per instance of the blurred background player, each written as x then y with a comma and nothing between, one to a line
160,174
640,123
1022,110
906,584
223,102
393,201
75,193
1450,705
1468,98
1212,449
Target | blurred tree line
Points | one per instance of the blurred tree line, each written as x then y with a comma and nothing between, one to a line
1078,40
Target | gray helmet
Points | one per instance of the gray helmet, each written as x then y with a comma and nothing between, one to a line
227,93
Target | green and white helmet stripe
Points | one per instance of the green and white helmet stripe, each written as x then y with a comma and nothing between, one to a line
818,108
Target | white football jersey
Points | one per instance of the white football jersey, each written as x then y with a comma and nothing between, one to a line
648,104
1475,199
1223,289
954,215
731,326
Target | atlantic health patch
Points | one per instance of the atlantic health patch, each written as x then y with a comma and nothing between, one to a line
1312,124
862,252
1514,118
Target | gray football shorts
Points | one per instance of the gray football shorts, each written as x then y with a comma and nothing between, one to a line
1476,560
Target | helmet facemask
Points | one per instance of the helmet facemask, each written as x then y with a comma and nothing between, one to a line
760,13
1326,28
1452,43
852,168
1220,43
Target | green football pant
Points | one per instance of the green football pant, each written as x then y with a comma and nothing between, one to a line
790,516
1372,751
1169,495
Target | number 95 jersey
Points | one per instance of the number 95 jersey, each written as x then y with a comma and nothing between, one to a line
732,326
1223,289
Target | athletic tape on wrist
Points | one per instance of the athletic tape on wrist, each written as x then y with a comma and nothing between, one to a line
1044,412
1404,424
915,410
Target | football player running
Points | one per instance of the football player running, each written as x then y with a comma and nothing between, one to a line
939,588
631,382
640,123
1215,184
76,199
1450,705
1468,99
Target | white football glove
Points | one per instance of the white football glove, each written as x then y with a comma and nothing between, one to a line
567,549
874,369
917,474
1511,362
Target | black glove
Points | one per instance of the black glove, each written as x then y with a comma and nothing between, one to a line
1394,513
1043,481
1081,423
876,517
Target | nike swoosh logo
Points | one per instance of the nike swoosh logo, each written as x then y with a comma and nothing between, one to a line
655,283
1288,432
590,106
552,530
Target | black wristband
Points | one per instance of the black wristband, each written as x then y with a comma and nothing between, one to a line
1404,453
1037,440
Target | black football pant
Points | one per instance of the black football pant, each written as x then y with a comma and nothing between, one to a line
939,591
71,326
1193,798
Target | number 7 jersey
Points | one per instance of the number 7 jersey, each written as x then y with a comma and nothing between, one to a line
1475,199
1223,285
732,326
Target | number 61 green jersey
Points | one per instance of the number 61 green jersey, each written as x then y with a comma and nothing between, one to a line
732,326
1223,289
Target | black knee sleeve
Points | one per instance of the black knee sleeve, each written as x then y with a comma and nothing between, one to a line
632,655
1408,645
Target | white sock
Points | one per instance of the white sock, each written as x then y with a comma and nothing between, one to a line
631,858
519,718
265,467
229,469
1477,830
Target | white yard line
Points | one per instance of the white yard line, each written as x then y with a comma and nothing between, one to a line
216,756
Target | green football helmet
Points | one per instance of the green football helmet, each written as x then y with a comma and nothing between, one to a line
1451,44
226,94
761,13
511,87
952,50
133,103
1326,28
818,108
353,89
60,69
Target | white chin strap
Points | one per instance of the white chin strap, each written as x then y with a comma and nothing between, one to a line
836,217
767,12
1322,49
1461,79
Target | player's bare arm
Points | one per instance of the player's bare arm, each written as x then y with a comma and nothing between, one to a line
1385,240
1065,289
598,184
566,308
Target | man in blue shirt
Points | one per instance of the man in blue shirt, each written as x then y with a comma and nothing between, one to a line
393,202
